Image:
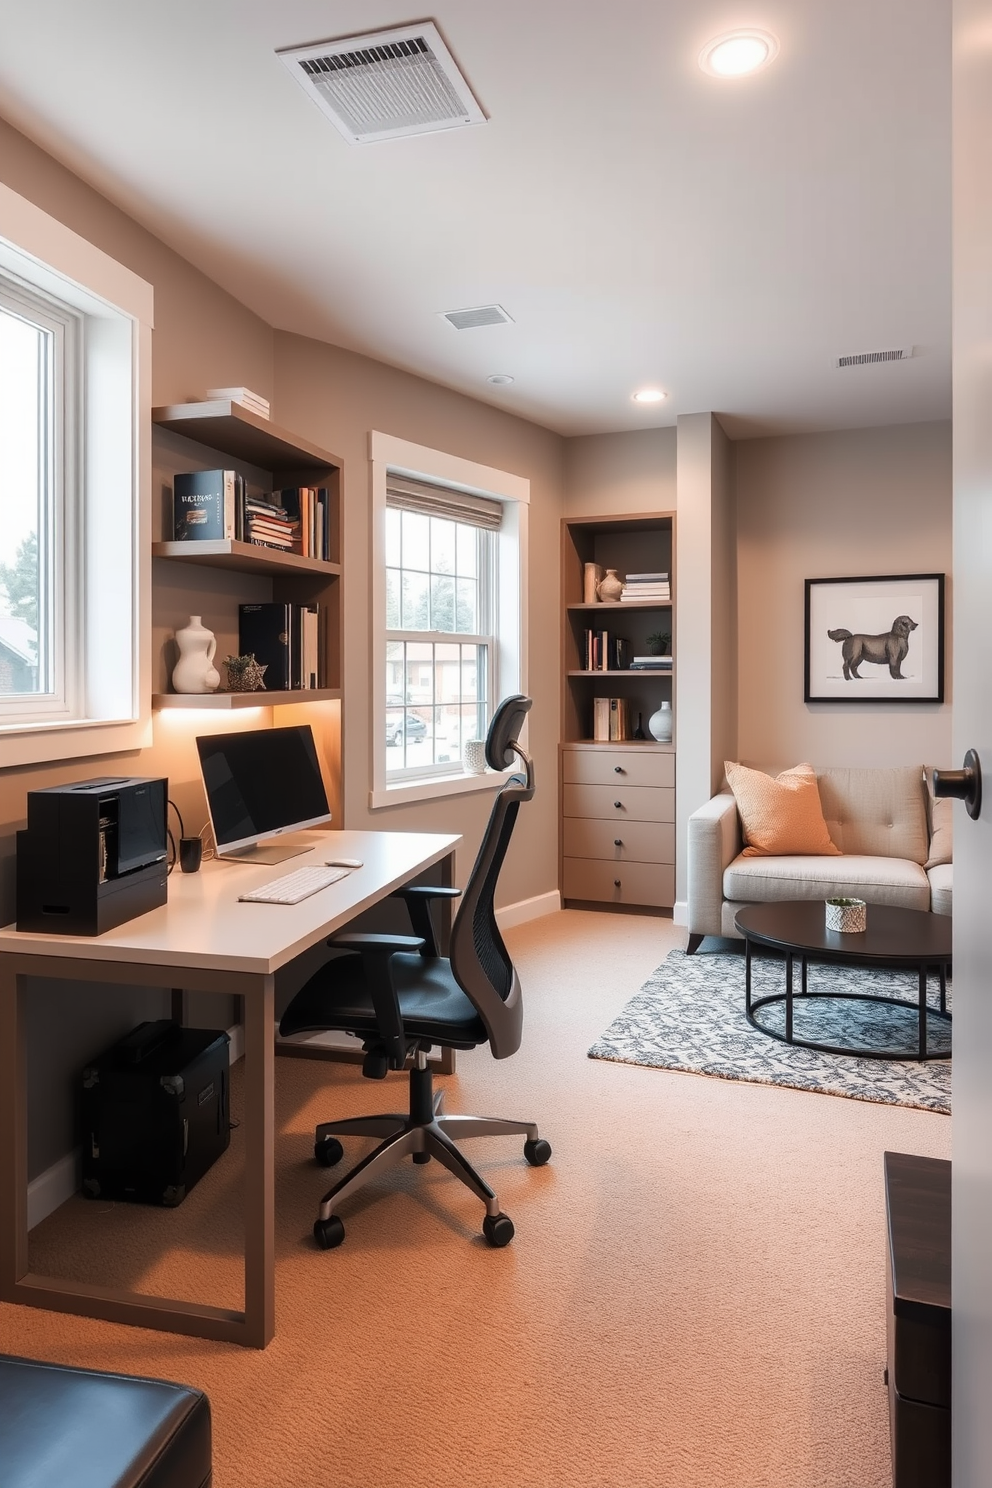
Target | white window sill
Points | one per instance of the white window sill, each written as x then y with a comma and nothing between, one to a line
434,786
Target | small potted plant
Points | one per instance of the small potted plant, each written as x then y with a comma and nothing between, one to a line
659,643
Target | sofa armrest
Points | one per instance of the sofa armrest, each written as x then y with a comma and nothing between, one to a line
714,843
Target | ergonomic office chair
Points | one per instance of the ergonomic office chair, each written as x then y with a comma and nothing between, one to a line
401,997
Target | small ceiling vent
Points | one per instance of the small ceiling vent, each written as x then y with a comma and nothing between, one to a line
874,358
480,315
386,84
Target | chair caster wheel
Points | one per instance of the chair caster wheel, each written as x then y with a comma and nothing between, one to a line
537,1152
328,1151
498,1230
329,1233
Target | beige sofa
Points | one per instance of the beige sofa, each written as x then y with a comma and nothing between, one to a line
894,838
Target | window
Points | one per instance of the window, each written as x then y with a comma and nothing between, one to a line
450,540
75,482
441,652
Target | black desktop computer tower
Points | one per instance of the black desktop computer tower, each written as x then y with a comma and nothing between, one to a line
155,1113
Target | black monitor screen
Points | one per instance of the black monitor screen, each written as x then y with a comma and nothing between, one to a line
261,782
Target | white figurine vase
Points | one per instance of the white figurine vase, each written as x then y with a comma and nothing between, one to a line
195,671
660,724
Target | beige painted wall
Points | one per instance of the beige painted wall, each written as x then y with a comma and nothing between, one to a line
863,501
632,472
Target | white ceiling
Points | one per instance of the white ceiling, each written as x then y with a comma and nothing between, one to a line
642,222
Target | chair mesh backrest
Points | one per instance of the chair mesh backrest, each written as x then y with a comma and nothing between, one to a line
479,959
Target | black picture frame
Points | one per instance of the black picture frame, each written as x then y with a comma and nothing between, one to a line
858,647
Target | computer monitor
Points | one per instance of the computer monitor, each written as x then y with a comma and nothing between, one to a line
261,783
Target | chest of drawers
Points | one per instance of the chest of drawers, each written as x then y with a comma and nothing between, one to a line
618,824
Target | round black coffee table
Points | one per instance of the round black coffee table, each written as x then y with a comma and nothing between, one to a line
894,938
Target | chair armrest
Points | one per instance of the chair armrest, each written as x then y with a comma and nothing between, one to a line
714,841
376,952
417,898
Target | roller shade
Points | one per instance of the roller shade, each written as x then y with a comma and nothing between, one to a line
442,501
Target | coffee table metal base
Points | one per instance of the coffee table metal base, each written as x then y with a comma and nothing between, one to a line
920,1007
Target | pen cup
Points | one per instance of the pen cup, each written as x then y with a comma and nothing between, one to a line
190,854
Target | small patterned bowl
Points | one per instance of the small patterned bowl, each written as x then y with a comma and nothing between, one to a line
848,915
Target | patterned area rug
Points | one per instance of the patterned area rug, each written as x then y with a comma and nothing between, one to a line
689,1015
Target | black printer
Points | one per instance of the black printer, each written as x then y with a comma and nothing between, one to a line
94,855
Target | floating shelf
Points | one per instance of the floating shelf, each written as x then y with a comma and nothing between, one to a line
227,426
227,552
225,700
624,604
628,672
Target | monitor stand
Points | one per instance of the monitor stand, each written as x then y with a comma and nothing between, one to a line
266,852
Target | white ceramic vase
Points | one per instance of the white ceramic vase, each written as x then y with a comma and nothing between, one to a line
474,756
591,575
610,588
195,671
660,724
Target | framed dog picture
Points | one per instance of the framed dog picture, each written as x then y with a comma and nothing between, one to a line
875,640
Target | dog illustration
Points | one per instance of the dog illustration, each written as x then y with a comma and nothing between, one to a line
884,650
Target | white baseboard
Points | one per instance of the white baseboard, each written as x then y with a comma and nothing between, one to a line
680,912
528,909
52,1187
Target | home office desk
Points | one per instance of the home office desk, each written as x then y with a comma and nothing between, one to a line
209,942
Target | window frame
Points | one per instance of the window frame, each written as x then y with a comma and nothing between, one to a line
107,491
389,454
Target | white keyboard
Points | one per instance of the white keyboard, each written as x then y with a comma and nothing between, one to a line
292,887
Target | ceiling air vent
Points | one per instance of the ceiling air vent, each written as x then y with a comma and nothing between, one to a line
480,315
386,84
874,358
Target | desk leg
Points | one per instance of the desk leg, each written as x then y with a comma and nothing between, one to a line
259,1015
13,1135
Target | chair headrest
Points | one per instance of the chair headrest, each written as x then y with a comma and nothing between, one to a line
504,731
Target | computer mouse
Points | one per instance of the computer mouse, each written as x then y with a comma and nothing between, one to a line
343,862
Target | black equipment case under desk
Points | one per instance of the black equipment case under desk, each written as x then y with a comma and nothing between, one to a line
155,1113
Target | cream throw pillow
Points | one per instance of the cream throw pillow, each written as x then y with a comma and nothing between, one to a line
940,813
780,815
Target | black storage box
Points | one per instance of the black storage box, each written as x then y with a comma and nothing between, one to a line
155,1113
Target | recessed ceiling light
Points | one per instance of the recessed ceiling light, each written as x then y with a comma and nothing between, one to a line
500,379
738,53
649,395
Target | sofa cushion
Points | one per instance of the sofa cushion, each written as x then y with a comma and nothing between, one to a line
940,817
940,878
876,812
879,880
780,815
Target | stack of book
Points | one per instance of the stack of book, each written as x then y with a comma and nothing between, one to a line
647,588
253,401
308,508
610,719
651,664
606,653
285,639
269,525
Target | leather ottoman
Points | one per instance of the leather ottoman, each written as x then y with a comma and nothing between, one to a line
82,1428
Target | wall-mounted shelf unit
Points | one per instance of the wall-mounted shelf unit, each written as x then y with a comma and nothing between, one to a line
224,700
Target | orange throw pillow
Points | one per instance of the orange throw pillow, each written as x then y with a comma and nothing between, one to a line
781,815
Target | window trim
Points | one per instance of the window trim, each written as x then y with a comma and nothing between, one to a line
116,310
418,462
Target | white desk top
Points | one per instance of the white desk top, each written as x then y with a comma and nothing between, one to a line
204,925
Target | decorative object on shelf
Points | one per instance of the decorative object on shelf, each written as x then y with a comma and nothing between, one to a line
195,671
591,575
639,730
244,674
474,756
660,724
252,401
875,640
848,915
610,589
659,643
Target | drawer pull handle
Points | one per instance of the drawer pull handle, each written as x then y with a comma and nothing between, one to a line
618,842
619,770
618,805
616,883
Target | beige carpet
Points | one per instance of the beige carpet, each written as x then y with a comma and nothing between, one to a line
694,1298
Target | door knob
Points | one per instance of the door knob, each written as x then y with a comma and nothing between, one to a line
962,785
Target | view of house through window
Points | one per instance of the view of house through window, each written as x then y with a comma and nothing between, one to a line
440,629
27,356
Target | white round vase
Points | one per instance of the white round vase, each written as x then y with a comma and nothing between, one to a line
195,671
660,724
474,756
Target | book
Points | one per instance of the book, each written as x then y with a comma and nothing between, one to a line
241,395
205,505
265,631
310,645
647,578
601,719
619,719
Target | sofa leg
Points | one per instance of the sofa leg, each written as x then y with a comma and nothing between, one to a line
694,942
